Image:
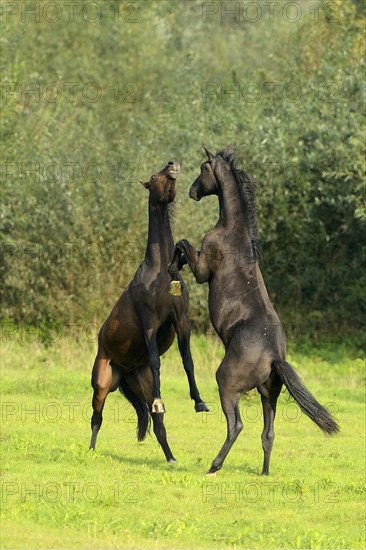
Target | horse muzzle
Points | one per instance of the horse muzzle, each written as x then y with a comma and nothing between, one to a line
173,169
193,194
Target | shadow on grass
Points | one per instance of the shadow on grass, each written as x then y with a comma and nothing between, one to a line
240,469
143,461
182,466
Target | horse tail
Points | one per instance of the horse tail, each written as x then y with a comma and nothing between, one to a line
307,402
129,387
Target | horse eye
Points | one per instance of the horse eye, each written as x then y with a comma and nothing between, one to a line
152,177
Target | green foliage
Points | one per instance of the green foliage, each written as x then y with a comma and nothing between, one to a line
288,96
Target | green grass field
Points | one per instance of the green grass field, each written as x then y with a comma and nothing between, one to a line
56,494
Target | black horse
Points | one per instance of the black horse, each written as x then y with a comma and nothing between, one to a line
239,307
143,323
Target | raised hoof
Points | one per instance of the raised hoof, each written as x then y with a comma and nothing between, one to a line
201,407
173,271
158,406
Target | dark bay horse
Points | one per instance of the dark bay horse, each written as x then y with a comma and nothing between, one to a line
143,323
239,307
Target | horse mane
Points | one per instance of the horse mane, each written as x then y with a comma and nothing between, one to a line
246,187
172,210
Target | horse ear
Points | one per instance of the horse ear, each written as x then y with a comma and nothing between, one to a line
210,156
229,150
146,184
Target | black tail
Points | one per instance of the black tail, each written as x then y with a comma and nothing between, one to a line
307,402
141,408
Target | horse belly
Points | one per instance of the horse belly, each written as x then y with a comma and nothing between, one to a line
137,353
124,341
165,337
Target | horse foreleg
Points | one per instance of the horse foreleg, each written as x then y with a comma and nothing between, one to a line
197,261
176,265
182,327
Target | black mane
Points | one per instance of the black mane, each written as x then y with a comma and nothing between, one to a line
246,187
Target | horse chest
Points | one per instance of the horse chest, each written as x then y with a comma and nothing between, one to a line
228,303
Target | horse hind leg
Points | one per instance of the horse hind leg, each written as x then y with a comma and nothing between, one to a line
230,406
104,380
269,397
269,412
141,383
160,433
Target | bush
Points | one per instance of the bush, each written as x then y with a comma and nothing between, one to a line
74,218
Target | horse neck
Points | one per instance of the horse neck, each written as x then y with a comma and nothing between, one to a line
160,243
232,213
